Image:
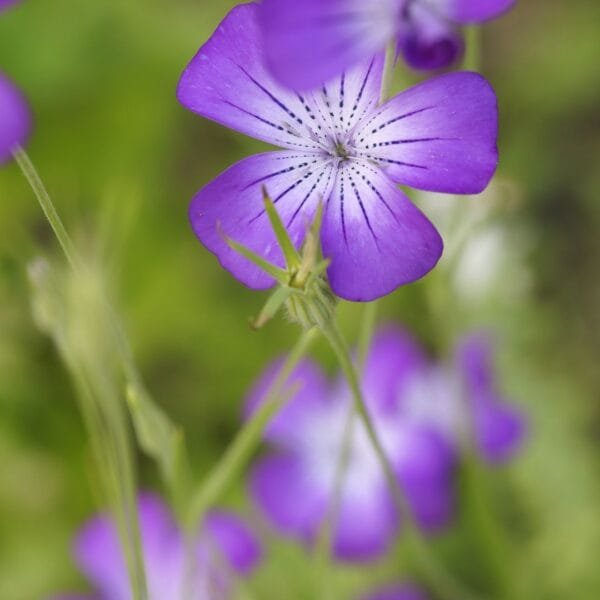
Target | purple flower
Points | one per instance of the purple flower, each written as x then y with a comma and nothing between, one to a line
462,399
6,3
294,486
225,548
15,118
397,592
340,148
312,41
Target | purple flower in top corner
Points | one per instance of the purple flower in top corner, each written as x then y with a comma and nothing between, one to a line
294,486
462,399
15,119
397,592
226,549
341,148
312,41
6,3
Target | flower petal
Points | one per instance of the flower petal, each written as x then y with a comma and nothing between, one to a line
6,3
376,239
288,498
232,206
234,540
426,474
392,361
365,526
500,429
227,82
289,423
427,40
473,11
15,119
310,42
98,552
397,592
439,135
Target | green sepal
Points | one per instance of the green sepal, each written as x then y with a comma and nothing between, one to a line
292,257
276,300
274,271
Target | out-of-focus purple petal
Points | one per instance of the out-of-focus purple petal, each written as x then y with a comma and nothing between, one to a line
15,119
290,501
100,557
500,430
475,356
310,42
366,525
375,237
6,3
426,478
391,363
427,41
397,592
234,539
439,135
232,205
289,423
474,11
499,427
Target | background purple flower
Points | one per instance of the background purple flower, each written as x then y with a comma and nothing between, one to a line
315,40
397,592
294,486
462,400
342,149
226,547
15,118
6,3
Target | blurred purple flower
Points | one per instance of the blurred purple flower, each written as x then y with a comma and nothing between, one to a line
463,399
341,148
294,486
312,41
225,549
6,3
397,592
15,119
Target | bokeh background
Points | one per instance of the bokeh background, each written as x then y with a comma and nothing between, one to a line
122,158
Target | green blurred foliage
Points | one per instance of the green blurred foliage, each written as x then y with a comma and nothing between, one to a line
122,158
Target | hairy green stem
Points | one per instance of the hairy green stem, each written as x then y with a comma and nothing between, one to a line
437,577
248,438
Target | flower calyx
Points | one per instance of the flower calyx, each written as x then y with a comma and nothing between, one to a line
302,285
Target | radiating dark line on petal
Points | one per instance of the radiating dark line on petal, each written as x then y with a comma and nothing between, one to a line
399,162
364,212
392,120
342,97
377,192
276,173
251,114
342,214
409,141
274,98
310,192
361,91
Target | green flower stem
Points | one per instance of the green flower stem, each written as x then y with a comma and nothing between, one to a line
369,321
437,577
102,412
248,438
46,205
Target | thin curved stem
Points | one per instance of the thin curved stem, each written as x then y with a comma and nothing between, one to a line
248,438
438,578
47,206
